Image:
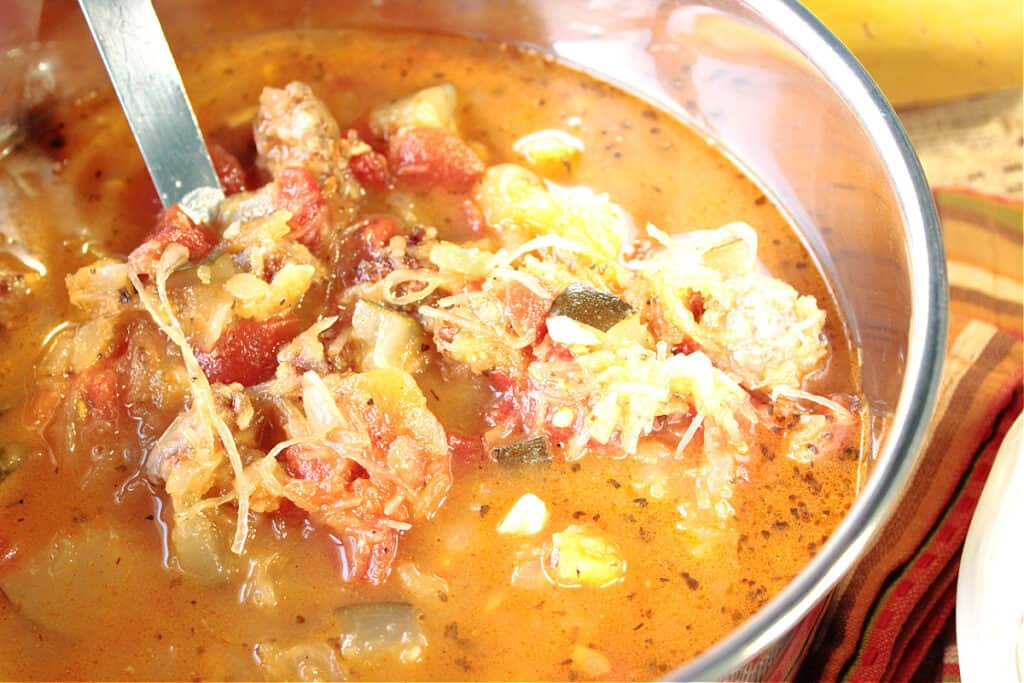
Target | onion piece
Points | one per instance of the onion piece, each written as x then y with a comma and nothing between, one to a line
526,517
381,629
313,661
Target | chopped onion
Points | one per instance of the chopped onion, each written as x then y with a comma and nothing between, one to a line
589,662
381,628
422,584
313,661
527,516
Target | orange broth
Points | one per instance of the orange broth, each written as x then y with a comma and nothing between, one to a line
84,537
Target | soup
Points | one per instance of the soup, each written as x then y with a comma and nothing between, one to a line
479,372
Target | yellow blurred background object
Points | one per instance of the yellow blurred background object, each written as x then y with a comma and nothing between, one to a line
921,51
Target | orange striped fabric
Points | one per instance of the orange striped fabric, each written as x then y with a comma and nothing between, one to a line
892,619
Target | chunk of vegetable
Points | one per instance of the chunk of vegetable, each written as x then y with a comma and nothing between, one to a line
101,288
526,452
381,629
565,330
550,150
520,206
387,338
434,158
200,549
259,299
246,351
371,169
64,584
590,306
528,516
589,662
432,107
173,226
299,194
313,661
423,585
583,556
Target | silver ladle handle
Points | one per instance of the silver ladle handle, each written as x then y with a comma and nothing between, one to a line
152,95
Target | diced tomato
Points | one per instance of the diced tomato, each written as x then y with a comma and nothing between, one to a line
466,448
558,435
361,127
513,405
526,309
499,380
300,195
173,226
229,170
378,232
290,518
301,462
101,388
371,169
558,351
246,351
434,157
686,347
362,256
695,302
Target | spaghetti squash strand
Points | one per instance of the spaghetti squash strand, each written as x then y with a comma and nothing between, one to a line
162,313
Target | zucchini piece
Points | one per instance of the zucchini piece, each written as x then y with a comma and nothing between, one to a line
387,338
381,628
526,452
590,306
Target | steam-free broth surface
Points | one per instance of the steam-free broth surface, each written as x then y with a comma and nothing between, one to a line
92,586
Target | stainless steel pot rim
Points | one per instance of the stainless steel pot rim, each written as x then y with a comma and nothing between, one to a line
926,347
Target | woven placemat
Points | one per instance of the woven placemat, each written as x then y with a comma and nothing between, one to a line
973,143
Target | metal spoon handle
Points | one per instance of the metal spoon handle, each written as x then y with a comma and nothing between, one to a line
148,83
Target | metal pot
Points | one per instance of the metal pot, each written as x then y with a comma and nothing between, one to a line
784,99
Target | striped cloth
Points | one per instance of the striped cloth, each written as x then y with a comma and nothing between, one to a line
893,619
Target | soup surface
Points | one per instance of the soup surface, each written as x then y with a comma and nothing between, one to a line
486,423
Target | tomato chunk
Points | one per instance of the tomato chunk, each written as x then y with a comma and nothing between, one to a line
362,255
371,169
526,310
466,449
300,195
246,352
229,170
173,226
101,388
434,157
301,462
